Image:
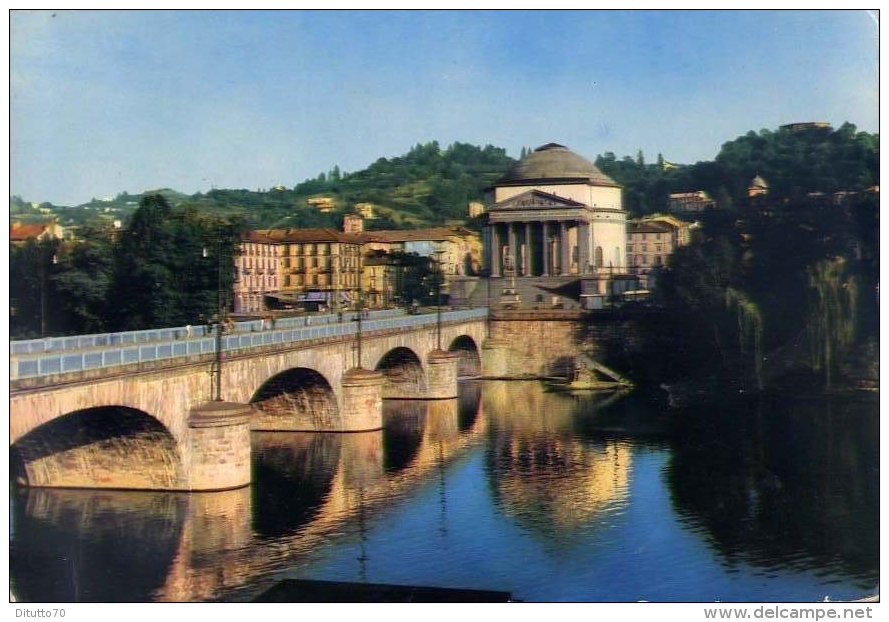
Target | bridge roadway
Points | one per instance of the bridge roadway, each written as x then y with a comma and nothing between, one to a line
141,416
53,355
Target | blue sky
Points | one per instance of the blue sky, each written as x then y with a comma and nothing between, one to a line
102,102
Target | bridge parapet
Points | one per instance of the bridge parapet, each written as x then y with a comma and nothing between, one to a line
173,352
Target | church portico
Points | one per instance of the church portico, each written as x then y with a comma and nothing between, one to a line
556,215
533,248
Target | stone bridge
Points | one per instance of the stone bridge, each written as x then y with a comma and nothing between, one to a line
202,546
155,426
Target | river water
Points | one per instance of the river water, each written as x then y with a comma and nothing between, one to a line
548,496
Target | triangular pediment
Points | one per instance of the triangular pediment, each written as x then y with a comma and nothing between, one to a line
535,199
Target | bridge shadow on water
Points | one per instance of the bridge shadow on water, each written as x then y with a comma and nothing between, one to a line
115,545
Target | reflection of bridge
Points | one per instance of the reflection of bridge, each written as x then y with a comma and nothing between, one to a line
150,424
205,545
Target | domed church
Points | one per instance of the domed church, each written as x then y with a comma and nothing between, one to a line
555,214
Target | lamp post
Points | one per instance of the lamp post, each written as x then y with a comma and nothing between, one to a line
43,286
360,306
220,310
440,278
485,273
334,276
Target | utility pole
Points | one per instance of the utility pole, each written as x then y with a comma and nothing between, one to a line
220,309
43,286
360,305
440,275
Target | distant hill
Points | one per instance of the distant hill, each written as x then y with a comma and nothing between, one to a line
426,186
429,185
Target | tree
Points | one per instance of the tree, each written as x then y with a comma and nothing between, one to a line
166,265
83,279
31,288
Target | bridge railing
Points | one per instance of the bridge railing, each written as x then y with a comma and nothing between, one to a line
99,340
29,366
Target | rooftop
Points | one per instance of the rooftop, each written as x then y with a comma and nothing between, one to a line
554,163
19,231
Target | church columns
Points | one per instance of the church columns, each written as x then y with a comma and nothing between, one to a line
564,249
544,238
528,269
513,255
516,250
583,248
495,252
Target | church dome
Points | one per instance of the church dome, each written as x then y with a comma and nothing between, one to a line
554,163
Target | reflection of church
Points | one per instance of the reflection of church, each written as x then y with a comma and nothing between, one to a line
541,472
555,214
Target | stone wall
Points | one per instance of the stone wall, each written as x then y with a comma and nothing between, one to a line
545,343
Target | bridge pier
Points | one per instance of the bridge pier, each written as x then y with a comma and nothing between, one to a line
441,375
218,446
362,400
495,358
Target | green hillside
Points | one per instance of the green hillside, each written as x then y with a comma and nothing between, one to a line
430,185
426,186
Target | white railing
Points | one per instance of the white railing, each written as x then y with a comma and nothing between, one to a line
178,344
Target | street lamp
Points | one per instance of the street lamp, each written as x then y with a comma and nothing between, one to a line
334,276
438,254
219,313
43,286
485,273
360,305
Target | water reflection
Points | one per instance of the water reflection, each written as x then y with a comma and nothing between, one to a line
466,490
468,404
308,490
540,471
784,483
66,544
292,474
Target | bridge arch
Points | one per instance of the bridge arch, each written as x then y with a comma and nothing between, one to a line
99,447
299,398
403,373
470,361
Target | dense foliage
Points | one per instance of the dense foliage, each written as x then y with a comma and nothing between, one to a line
163,269
794,164
781,291
426,186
